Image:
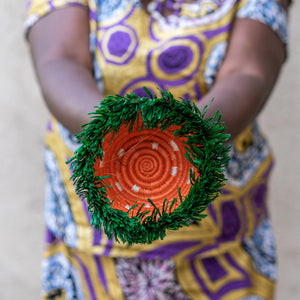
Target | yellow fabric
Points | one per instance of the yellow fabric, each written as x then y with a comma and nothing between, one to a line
261,286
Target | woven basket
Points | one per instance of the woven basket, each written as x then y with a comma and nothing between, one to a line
148,165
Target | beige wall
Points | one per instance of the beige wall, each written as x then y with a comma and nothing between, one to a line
22,121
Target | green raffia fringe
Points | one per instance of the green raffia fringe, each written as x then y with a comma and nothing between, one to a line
209,161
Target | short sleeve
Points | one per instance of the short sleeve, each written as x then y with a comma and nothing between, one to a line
268,12
35,9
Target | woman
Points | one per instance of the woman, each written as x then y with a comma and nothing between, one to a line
230,50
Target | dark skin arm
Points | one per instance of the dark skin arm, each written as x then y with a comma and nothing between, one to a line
59,45
64,69
247,76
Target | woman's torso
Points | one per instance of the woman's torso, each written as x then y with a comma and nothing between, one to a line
131,49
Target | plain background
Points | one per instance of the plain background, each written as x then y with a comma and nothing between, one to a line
23,117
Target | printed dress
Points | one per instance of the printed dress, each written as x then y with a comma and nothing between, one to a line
230,254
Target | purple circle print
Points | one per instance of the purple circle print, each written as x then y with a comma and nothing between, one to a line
175,59
119,43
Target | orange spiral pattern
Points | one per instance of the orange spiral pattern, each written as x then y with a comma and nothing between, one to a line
144,164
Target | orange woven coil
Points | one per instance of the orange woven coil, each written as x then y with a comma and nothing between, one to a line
144,164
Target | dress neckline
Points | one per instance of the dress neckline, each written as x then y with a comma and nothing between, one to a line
187,14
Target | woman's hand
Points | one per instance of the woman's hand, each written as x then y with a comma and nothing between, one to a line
59,45
247,76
